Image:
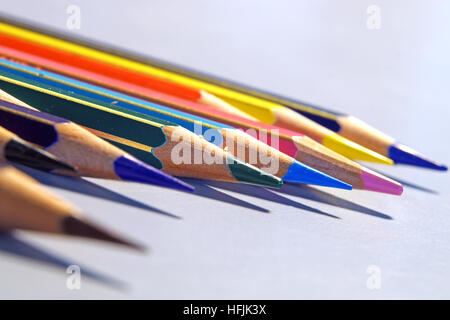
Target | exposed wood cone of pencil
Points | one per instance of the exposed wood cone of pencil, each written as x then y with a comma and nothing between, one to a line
14,149
27,205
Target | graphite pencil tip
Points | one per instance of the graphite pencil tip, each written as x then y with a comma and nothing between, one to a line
376,182
301,173
402,154
19,151
246,173
81,228
131,169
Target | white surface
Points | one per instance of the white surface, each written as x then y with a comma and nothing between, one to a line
246,242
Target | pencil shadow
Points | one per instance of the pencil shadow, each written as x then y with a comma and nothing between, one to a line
11,244
88,188
406,183
202,189
266,194
306,192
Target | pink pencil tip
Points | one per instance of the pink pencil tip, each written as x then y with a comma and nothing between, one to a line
376,182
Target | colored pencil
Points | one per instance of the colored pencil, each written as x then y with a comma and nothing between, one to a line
89,154
9,98
14,149
262,110
293,144
26,205
240,144
129,76
164,145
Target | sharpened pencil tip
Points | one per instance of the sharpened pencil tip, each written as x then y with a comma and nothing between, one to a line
301,173
21,152
81,228
130,169
376,182
246,173
402,154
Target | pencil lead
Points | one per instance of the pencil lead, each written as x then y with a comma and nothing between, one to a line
376,182
19,151
301,173
402,154
134,170
78,227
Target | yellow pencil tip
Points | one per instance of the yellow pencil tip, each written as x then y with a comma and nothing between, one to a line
353,150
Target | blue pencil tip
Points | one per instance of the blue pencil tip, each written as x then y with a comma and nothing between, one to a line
301,173
402,154
130,169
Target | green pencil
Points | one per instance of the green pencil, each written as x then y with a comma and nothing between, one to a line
162,144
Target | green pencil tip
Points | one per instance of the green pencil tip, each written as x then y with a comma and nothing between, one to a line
246,173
